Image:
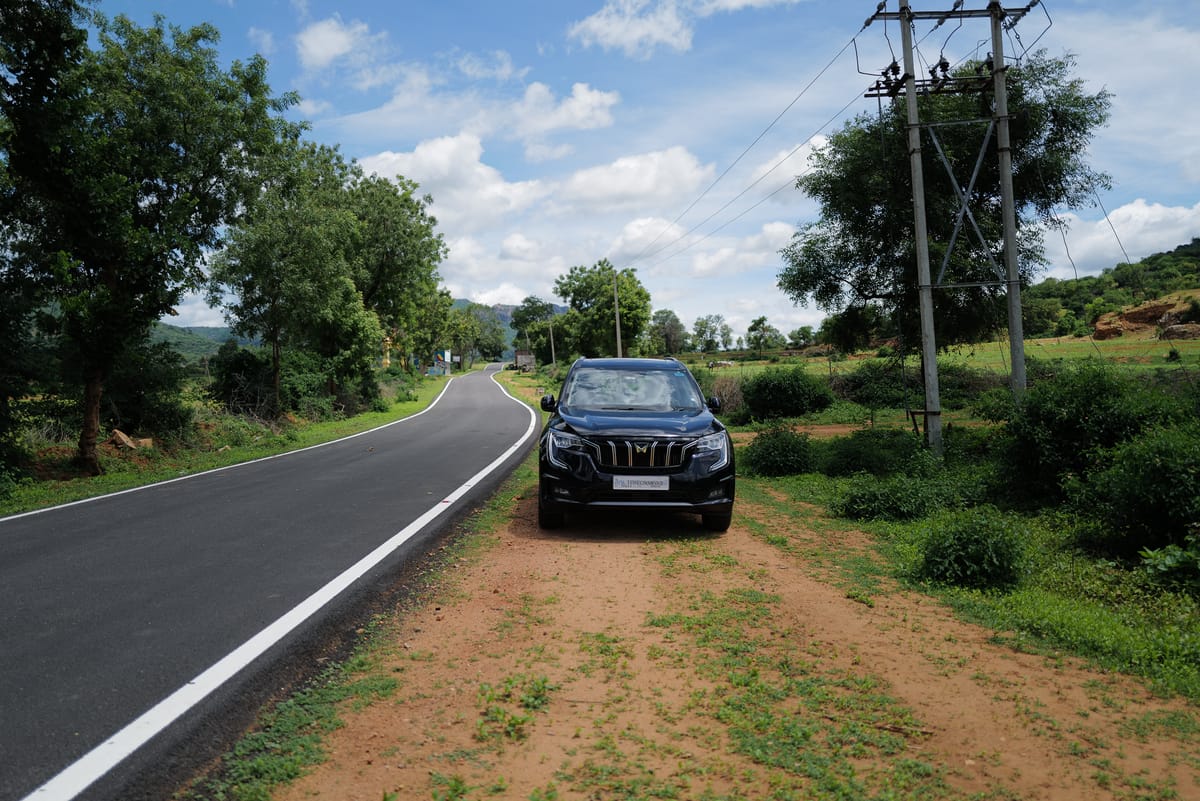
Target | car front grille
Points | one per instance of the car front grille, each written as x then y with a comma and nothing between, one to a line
642,453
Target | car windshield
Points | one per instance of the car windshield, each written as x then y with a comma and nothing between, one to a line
631,390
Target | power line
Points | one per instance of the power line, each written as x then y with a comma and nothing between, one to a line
757,139
791,182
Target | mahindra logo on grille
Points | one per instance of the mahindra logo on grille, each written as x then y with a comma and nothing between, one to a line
641,447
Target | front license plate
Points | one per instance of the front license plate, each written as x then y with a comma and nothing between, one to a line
656,483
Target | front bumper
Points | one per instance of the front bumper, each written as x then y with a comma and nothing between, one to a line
584,485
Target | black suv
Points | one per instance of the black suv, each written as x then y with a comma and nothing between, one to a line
634,433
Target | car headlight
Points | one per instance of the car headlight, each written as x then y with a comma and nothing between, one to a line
716,445
562,441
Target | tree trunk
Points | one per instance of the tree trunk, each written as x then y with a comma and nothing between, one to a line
86,457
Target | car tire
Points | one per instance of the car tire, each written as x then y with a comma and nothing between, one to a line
549,518
718,522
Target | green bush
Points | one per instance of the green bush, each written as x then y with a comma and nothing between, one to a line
1148,489
959,386
879,451
867,497
978,548
1061,424
778,451
1173,566
922,488
878,385
785,392
143,393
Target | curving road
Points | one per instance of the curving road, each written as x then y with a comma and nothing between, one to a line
128,621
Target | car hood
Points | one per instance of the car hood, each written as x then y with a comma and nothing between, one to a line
590,422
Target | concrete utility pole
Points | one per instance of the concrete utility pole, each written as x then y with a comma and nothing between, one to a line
890,86
933,403
617,312
1016,329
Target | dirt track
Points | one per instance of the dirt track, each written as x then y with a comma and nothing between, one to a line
643,638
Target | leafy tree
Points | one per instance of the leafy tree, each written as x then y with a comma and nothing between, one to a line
711,333
860,252
123,165
534,321
492,337
589,292
430,326
667,334
285,273
801,337
761,336
397,250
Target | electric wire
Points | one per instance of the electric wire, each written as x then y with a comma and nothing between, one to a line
642,254
735,198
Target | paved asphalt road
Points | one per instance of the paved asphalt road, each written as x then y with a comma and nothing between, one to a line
114,612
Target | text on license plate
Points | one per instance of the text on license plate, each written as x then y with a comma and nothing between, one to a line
657,483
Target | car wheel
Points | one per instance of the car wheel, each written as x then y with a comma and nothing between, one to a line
549,518
718,522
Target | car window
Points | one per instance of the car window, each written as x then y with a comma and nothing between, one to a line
632,390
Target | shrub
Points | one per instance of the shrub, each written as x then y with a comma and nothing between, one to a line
1148,491
922,488
1061,423
877,385
1173,566
785,392
959,385
778,451
879,451
978,548
143,393
896,498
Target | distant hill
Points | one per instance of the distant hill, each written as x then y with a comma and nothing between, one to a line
1074,305
195,342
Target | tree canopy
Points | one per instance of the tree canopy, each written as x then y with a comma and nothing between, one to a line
122,166
860,253
588,292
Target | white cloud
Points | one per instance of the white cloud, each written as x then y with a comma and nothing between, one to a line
637,27
1144,229
661,178
497,66
327,46
264,41
324,42
470,195
539,112
312,108
519,246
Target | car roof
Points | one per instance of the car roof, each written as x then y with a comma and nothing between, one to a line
630,363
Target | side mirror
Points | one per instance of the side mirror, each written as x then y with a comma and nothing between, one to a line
549,404
714,404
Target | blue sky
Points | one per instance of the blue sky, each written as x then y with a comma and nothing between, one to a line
657,133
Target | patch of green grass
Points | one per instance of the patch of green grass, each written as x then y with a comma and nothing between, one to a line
498,719
288,739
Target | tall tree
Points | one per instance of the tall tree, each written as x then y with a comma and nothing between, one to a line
534,321
667,334
761,335
127,164
285,275
398,250
710,333
860,251
589,292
